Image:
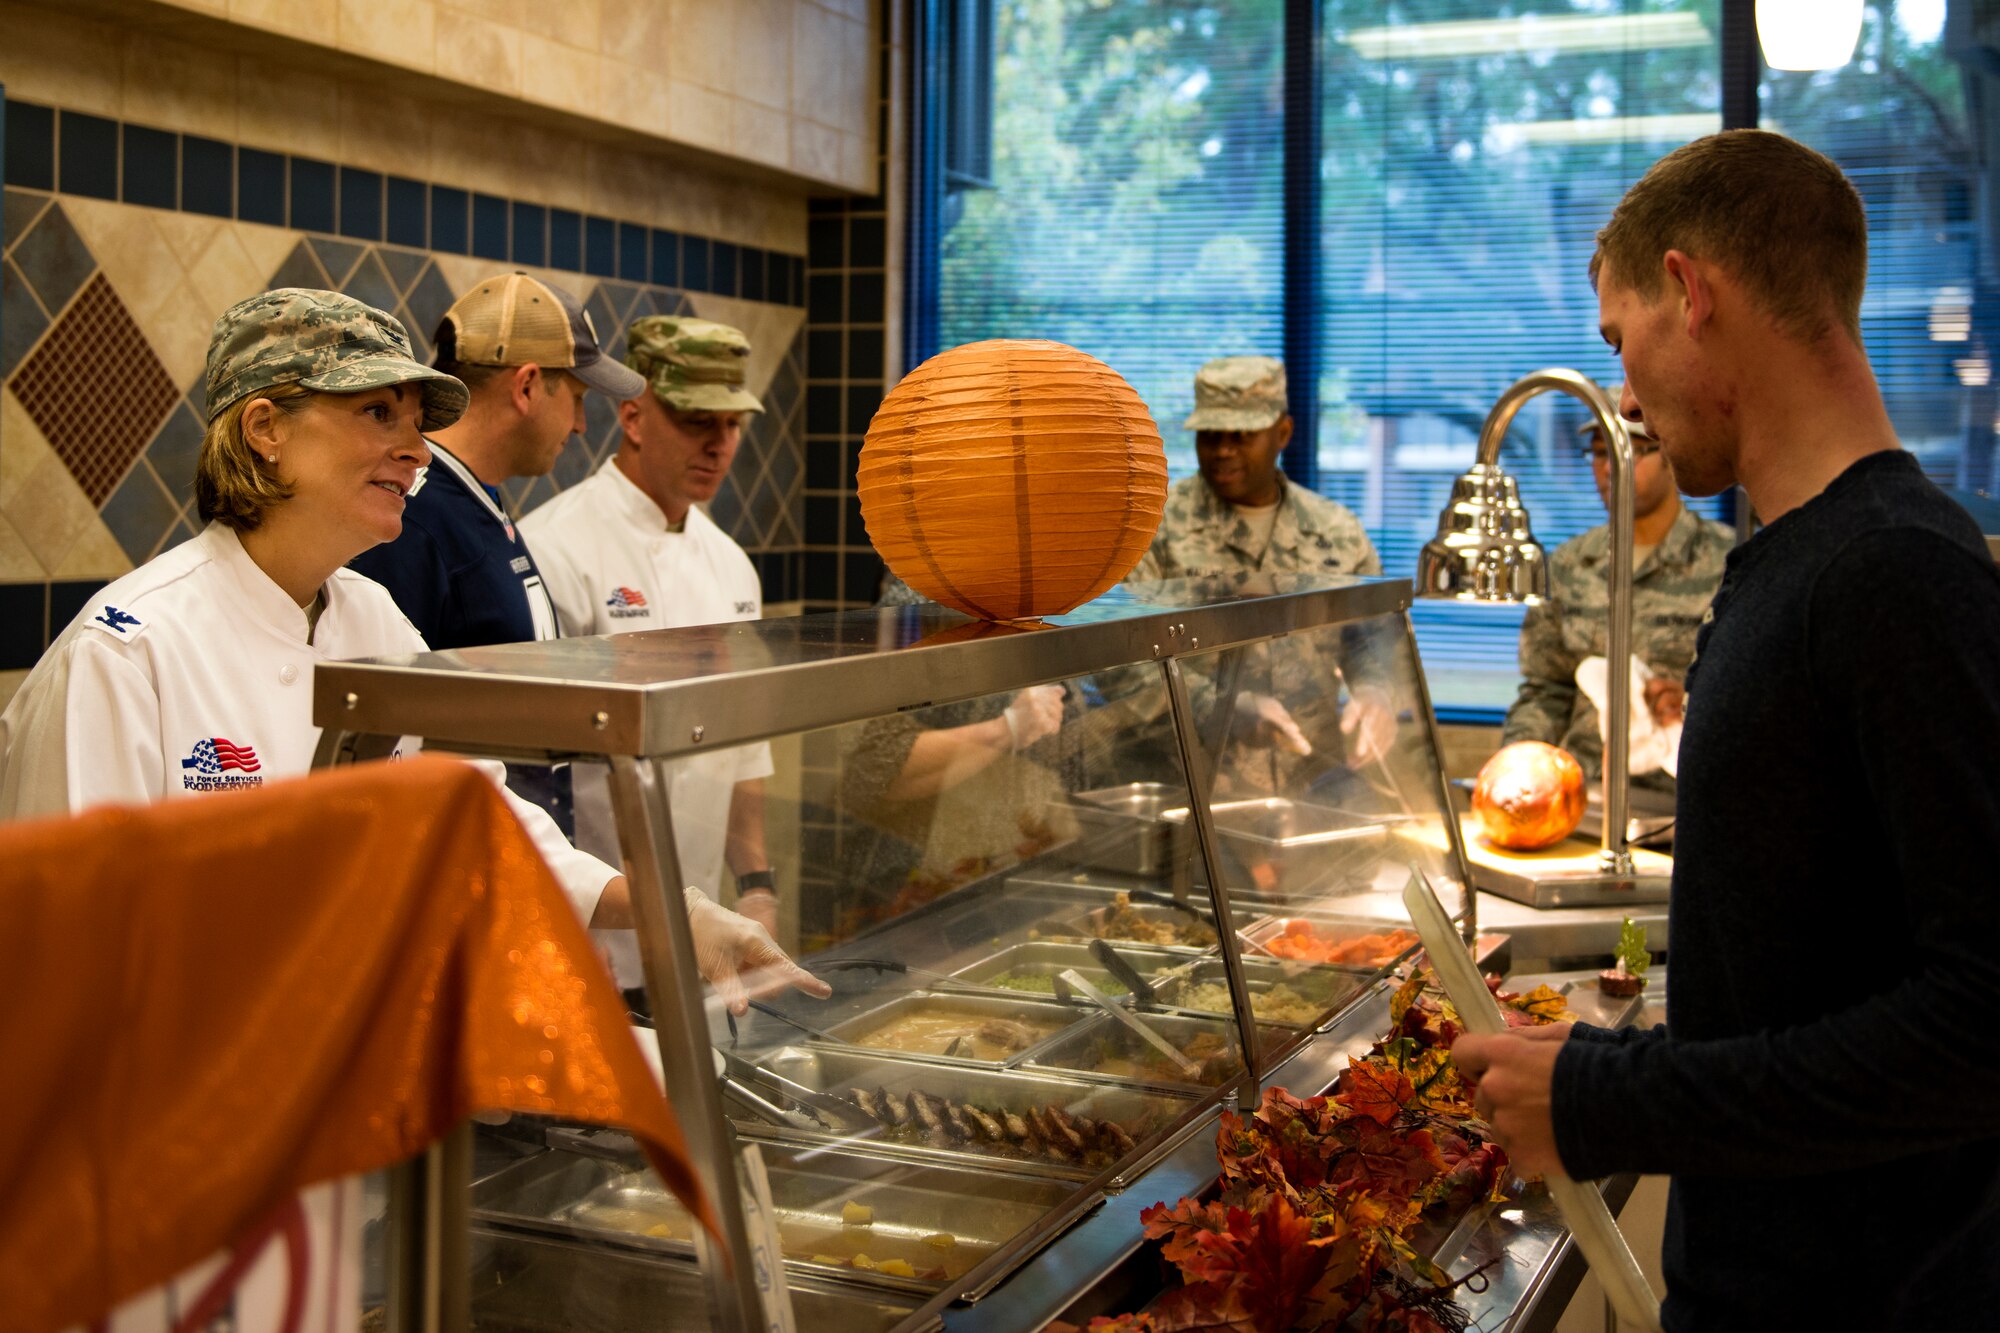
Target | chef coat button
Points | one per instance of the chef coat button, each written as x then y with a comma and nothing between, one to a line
287,674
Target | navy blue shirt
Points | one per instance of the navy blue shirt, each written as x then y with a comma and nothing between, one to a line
1826,1092
460,570
464,577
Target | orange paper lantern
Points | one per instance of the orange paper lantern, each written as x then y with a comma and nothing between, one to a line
1012,478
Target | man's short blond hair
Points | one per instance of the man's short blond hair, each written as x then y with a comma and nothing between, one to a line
232,484
1777,216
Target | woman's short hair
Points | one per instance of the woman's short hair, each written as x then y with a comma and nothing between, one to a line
233,484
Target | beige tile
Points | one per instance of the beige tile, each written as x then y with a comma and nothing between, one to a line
50,511
10,685
860,10
698,116
54,58
315,21
560,76
226,274
22,448
645,101
127,244
288,110
201,6
96,554
816,151
577,23
641,32
699,42
396,32
760,133
268,247
860,164
836,85
479,52
178,330
386,132
173,85
18,564
508,12
188,235
462,273
761,51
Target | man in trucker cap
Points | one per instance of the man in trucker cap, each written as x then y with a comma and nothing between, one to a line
460,570
631,549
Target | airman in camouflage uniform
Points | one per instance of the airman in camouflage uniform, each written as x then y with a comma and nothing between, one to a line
1673,583
321,341
1241,425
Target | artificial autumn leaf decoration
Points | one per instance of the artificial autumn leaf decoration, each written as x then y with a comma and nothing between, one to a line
1319,1195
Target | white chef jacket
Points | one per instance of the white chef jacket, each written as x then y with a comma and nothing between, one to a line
192,674
612,566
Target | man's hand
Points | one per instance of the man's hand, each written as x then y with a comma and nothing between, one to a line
1271,724
1369,724
1034,714
739,957
1513,1075
1666,700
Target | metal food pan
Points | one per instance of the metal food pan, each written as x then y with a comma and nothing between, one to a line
1107,1049
968,1214
1329,985
1144,1116
1045,958
1094,924
1338,930
1294,849
1122,829
978,1008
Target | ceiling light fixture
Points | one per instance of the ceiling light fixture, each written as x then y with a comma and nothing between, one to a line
1808,34
1528,34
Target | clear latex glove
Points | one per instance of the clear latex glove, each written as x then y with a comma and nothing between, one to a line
739,957
1369,724
1656,742
761,906
1036,713
1271,724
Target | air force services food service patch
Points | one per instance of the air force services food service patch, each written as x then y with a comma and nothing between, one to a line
219,764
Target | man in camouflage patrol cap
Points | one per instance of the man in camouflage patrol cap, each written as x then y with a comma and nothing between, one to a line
630,549
1239,518
1677,559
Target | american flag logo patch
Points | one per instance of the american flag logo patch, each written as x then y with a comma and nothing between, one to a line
219,755
623,597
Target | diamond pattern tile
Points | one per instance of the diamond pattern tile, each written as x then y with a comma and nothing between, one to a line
340,257
140,513
54,259
404,266
18,212
430,296
762,512
175,449
24,320
301,269
369,282
727,511
96,389
572,464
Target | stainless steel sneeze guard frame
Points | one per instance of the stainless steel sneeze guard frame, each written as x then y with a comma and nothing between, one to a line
666,692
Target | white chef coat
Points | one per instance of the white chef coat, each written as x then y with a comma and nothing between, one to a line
192,674
612,566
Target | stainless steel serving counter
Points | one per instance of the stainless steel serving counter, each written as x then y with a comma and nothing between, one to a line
1549,938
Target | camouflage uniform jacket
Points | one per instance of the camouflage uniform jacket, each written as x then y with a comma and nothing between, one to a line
1671,588
1201,536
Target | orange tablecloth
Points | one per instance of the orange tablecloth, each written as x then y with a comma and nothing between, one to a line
213,1003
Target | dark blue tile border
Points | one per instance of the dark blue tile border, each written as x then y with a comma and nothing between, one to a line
152,168
77,153
361,204
312,195
24,610
489,227
408,221
87,148
31,146
260,186
208,173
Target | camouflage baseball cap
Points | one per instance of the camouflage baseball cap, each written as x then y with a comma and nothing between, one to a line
322,341
1238,393
695,365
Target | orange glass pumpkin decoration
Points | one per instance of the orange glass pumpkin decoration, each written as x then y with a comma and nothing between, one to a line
1530,795
1009,479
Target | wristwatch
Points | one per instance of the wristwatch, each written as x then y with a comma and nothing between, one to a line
757,879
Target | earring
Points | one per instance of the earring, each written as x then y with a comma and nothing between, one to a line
270,458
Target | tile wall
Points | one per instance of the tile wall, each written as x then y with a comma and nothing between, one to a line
123,240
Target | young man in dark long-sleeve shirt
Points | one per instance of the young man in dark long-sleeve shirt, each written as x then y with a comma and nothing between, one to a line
1826,1093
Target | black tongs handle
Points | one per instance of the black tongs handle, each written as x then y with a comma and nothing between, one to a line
1119,966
